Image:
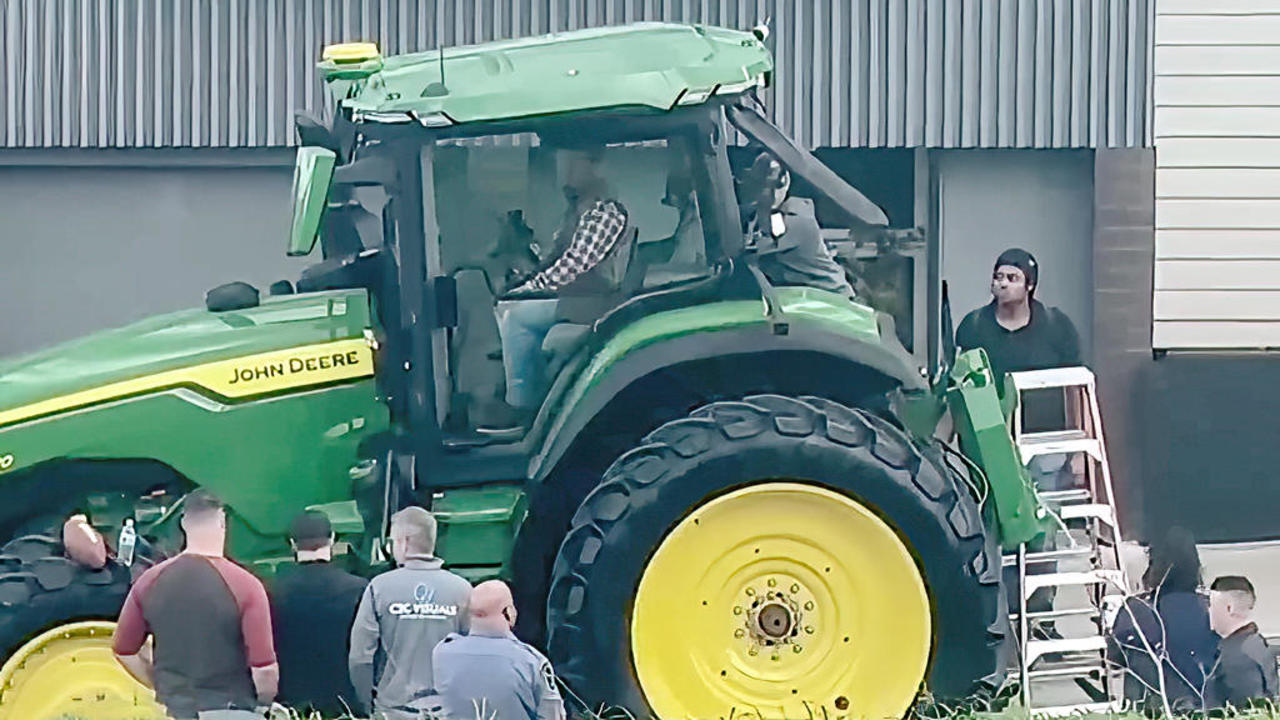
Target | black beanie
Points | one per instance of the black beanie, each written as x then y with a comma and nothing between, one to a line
1023,260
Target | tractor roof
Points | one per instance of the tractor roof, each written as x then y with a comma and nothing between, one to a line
648,64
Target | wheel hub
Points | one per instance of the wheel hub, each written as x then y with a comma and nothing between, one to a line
774,621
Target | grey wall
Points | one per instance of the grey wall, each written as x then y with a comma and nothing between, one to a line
87,247
861,73
1038,200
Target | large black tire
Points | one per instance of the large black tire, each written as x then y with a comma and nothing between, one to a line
40,588
727,445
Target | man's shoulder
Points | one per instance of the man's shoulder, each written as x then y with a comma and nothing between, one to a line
975,319
234,571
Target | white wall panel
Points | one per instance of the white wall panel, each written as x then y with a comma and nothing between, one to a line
1218,305
1216,96
1218,244
1218,274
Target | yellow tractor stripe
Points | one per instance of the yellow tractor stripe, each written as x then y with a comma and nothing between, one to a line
240,377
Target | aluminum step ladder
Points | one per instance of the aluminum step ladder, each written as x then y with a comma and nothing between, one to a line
1066,672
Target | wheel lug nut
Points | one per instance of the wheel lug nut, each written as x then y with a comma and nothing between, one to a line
775,657
737,610
797,649
751,591
808,605
753,652
772,582
808,629
795,588
739,633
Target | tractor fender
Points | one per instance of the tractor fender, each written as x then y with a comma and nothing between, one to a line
613,370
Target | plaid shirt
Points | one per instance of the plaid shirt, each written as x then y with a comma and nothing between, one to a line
595,236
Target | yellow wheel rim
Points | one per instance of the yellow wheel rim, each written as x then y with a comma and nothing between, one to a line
69,672
781,600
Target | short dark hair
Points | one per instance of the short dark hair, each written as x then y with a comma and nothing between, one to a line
200,503
311,530
1234,583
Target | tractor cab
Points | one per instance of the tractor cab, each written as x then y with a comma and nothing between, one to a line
500,203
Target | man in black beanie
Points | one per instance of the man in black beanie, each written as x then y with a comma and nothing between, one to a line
1020,333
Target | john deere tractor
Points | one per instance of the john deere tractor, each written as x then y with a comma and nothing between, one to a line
728,498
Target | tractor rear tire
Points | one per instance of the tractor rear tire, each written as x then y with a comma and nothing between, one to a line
41,591
760,454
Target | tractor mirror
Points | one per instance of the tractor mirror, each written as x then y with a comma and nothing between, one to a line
312,174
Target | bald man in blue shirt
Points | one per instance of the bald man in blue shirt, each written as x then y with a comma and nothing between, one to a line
488,672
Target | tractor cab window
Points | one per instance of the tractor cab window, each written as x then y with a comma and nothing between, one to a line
543,234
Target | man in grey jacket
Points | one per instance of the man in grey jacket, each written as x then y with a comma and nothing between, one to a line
403,615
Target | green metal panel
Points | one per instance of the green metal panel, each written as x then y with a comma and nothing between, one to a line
181,339
644,65
267,459
981,424
798,305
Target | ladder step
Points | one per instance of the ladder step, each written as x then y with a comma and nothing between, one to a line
1038,648
1085,511
1056,614
1081,709
1053,378
1049,556
1062,497
1054,436
1081,669
1088,577
1031,447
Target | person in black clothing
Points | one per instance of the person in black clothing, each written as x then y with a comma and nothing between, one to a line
312,608
1245,670
1169,622
1020,333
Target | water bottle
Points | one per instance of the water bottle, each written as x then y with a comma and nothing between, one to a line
128,541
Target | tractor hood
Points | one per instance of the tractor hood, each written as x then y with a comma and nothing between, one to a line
116,363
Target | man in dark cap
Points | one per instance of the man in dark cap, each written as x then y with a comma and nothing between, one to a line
312,607
1020,333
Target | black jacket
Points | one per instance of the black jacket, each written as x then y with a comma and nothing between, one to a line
312,608
1245,670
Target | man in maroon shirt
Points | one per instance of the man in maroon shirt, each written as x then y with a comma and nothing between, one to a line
210,622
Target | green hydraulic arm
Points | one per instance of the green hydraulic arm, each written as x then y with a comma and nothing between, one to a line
982,424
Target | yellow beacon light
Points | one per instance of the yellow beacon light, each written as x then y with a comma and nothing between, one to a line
351,61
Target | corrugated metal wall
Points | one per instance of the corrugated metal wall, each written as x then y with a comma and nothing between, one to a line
865,73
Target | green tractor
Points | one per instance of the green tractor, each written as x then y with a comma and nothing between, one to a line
727,498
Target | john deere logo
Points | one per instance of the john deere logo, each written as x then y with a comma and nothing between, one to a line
6,462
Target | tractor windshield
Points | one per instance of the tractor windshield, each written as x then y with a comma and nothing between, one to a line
509,204
507,208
